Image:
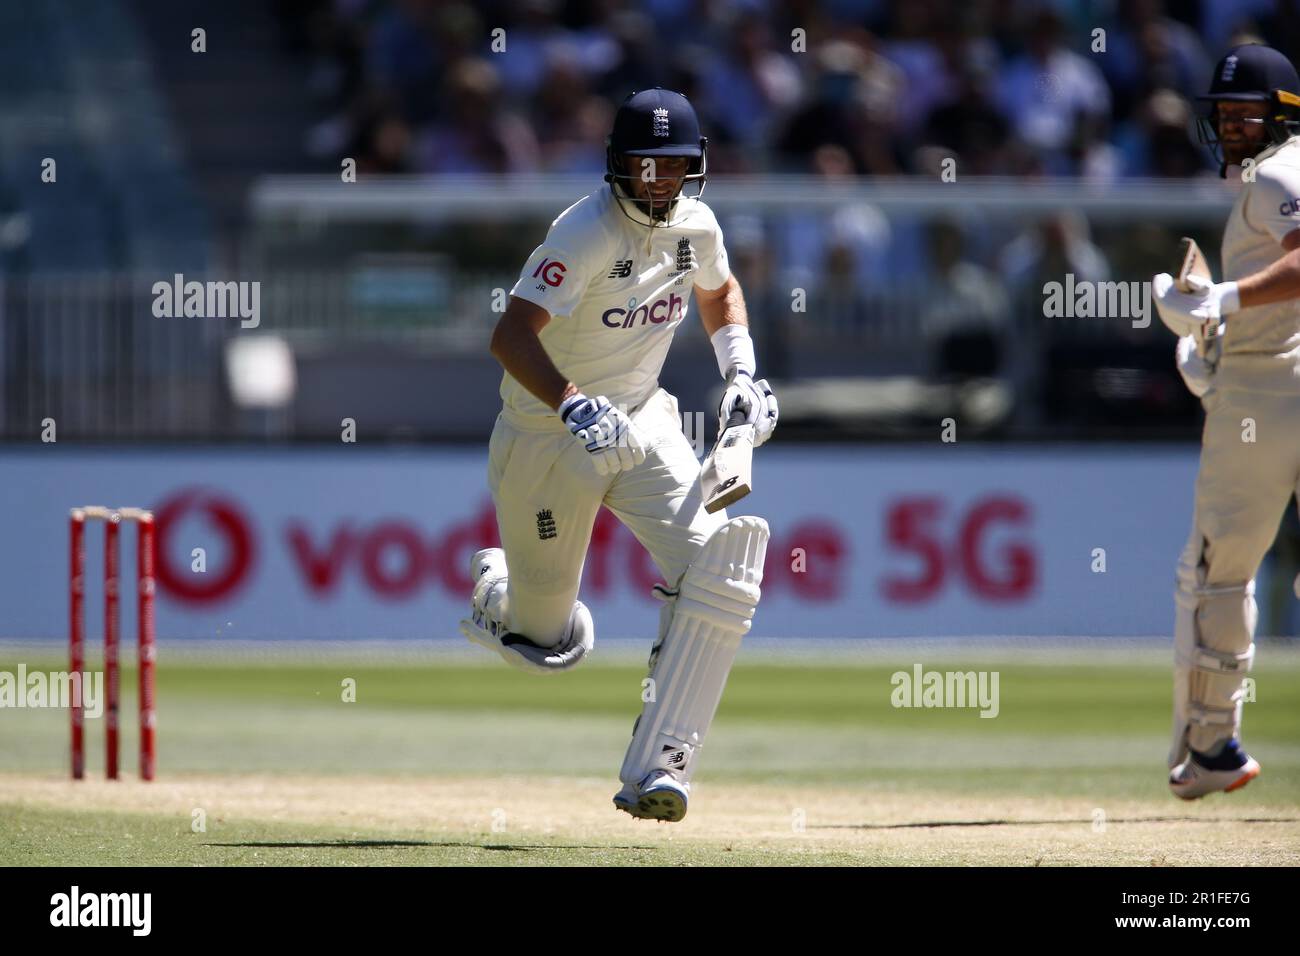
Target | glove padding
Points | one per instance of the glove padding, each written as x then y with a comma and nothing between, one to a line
609,436
1191,313
1195,371
755,398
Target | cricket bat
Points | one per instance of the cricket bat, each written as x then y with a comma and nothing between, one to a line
726,476
1194,264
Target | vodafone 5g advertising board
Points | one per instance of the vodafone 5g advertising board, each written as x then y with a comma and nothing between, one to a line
866,542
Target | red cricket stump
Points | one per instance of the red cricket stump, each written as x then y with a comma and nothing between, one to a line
77,637
145,581
112,678
147,650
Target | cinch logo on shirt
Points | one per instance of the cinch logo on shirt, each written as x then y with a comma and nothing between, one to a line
661,310
551,270
1290,208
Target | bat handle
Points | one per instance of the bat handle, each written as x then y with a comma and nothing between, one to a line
1206,340
738,416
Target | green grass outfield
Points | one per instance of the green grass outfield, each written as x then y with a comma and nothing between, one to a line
473,763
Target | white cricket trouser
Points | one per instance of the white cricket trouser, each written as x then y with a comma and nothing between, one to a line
547,495
1242,488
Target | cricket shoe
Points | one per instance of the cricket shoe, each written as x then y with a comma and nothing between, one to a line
660,796
1198,774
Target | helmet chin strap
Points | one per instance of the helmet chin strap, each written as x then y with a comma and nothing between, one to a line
618,185
646,208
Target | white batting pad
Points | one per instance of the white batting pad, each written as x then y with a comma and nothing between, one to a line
713,611
1214,630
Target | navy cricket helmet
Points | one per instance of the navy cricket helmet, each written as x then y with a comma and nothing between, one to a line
655,122
1253,73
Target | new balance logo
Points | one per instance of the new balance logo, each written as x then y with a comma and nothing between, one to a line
545,524
622,269
675,757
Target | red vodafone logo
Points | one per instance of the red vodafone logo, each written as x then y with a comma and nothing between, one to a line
228,521
395,559
551,270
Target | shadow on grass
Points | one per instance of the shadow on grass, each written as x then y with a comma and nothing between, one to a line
389,844
934,824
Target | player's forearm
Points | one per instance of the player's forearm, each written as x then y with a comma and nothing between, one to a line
522,354
1277,282
726,309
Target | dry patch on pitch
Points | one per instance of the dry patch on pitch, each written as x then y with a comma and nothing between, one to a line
825,824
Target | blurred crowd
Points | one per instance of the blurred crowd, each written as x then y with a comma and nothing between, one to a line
834,88
880,87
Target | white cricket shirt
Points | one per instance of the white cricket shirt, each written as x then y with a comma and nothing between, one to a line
1261,345
616,291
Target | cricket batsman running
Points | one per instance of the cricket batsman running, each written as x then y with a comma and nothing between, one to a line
584,423
1248,378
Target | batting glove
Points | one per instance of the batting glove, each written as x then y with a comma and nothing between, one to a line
609,436
1191,313
754,398
1196,372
